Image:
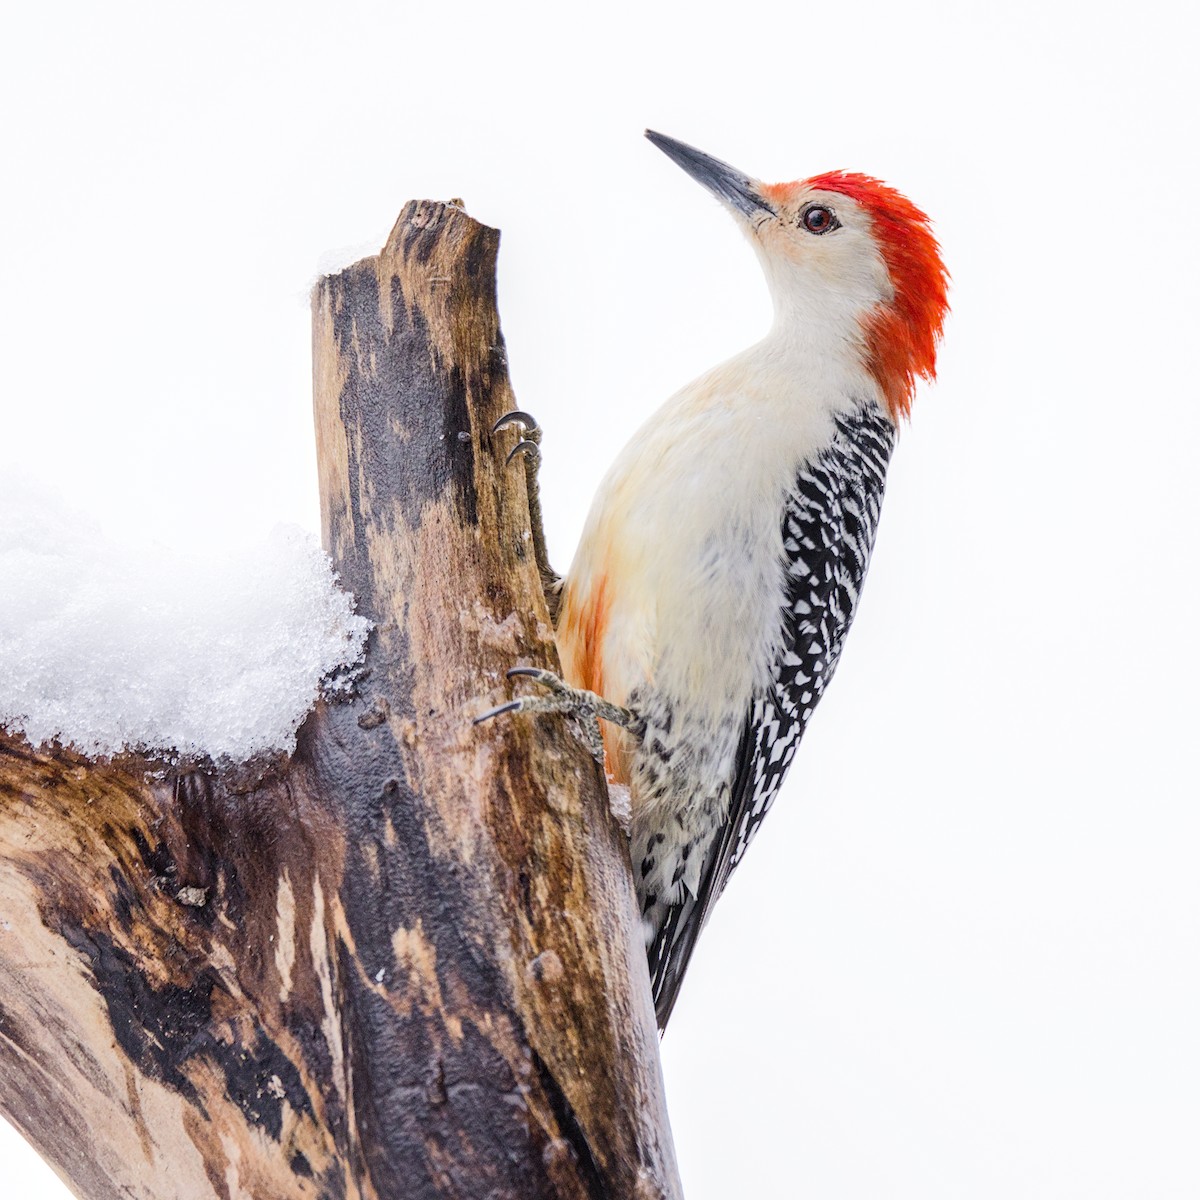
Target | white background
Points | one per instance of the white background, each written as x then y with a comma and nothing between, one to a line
963,958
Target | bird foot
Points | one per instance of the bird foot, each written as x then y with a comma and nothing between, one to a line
588,708
530,448
531,431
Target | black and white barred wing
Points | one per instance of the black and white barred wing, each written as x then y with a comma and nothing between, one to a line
828,531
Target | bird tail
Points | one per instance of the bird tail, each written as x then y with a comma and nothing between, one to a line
669,951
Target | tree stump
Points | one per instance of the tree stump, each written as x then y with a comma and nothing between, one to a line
406,962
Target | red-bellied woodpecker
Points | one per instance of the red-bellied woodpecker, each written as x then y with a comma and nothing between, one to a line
723,558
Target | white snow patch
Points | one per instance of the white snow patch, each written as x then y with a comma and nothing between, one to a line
106,646
620,804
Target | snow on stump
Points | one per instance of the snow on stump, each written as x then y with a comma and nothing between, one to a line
405,960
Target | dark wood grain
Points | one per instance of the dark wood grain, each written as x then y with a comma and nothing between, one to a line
405,962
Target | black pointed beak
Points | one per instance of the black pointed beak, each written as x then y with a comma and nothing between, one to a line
739,191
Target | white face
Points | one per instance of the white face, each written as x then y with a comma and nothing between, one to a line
818,251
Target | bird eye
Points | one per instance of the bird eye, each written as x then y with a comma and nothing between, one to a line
819,219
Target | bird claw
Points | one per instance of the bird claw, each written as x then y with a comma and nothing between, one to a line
518,417
547,679
528,447
525,446
511,706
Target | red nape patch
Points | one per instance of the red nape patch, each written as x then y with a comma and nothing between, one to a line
902,337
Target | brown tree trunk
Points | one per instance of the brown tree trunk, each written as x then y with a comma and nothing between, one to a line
406,962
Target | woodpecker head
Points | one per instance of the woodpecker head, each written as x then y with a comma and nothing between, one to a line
846,254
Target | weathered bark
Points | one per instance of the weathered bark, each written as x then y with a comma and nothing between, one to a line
406,962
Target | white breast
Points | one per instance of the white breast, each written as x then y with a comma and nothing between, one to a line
685,531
